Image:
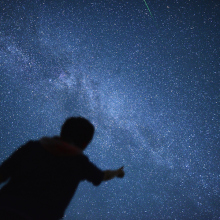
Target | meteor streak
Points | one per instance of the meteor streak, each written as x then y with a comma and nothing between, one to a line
148,9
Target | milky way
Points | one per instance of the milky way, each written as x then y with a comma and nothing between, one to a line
150,85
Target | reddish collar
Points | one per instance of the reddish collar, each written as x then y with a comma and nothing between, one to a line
58,147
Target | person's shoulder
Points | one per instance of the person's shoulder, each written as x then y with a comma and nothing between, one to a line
29,145
80,158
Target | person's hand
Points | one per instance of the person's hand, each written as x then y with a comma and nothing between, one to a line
120,172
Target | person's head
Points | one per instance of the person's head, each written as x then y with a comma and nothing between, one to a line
77,130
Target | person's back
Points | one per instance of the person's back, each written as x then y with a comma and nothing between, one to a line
43,181
43,178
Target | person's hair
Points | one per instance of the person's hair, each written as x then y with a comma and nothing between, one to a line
77,130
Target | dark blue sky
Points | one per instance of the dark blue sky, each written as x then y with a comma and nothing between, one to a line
149,84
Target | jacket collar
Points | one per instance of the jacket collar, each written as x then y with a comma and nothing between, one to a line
58,147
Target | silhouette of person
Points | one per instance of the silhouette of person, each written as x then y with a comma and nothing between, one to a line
44,175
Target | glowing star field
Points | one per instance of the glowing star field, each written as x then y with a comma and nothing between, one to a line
145,73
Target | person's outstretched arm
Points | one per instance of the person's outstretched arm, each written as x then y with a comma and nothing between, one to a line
110,174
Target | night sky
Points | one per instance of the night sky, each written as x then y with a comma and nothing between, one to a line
147,80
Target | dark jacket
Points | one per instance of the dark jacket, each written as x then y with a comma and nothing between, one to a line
42,184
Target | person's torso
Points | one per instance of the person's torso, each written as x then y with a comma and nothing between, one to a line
44,181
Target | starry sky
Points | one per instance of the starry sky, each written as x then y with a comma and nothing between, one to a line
147,80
